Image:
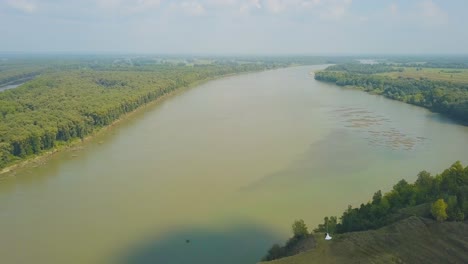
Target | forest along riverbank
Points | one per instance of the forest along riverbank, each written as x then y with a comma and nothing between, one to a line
265,148
38,137
441,90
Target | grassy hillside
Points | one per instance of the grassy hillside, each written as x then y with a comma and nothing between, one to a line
412,240
395,227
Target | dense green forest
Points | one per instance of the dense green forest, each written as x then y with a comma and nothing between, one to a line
363,68
70,103
446,97
443,197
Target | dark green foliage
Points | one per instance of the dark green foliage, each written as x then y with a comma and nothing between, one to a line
275,252
299,229
363,68
444,97
328,226
450,187
292,246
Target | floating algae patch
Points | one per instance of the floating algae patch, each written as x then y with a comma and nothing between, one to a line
378,130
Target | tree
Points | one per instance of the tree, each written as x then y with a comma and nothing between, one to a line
299,229
377,197
425,186
439,210
329,225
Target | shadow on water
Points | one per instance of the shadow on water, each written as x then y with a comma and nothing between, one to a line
240,244
440,118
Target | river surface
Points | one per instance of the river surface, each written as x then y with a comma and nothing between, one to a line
10,86
218,173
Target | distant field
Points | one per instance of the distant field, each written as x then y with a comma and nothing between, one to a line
438,74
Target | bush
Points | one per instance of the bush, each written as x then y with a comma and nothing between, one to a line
439,210
275,252
299,229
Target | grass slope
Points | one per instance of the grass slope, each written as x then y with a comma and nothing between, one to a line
412,240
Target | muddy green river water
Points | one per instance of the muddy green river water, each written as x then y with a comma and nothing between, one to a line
217,173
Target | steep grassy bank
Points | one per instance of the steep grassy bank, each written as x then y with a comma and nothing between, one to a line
412,240
404,224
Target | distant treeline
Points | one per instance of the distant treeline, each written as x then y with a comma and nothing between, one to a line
363,68
450,65
57,107
426,61
445,194
444,97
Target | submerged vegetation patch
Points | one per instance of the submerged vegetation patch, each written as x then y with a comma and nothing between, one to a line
376,129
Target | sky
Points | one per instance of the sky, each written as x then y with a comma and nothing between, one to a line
235,26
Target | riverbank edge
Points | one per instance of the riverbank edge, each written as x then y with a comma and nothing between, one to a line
360,88
42,158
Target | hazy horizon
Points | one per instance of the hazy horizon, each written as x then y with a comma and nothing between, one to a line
234,27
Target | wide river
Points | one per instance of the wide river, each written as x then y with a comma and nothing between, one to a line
218,173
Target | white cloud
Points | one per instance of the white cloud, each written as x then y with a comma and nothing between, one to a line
393,8
193,8
363,19
128,6
429,8
221,2
310,3
432,14
276,6
248,5
255,3
148,3
22,5
165,25
329,8
335,9
108,3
